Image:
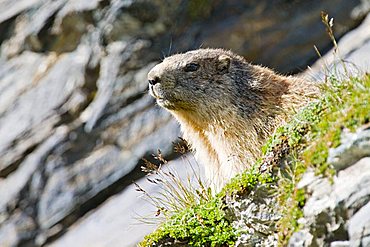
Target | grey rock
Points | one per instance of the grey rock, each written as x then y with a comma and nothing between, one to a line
301,238
255,215
19,227
53,82
359,227
83,181
9,9
353,186
10,188
123,220
340,244
11,86
332,207
109,70
29,25
354,147
75,6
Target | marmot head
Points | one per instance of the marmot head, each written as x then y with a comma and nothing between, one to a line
185,82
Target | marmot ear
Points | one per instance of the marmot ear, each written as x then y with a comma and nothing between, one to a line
223,64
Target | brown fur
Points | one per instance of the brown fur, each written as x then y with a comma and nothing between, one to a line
226,106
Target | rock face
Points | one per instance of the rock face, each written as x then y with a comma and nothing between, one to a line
118,221
75,119
256,215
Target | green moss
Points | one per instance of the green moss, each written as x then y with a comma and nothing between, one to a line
246,182
202,225
303,142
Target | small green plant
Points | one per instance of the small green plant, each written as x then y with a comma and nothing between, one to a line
247,181
203,224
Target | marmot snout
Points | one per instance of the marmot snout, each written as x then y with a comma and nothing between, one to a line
226,107
182,81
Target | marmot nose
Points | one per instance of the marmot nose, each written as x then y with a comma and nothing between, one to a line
154,80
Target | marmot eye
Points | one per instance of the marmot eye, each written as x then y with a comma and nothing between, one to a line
191,67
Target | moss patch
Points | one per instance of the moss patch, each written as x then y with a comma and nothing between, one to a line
202,225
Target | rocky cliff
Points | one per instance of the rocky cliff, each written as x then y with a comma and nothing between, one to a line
75,119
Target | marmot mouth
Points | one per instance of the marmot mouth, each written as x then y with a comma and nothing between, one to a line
163,99
155,93
151,91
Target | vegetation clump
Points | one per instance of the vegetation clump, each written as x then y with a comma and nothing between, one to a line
203,224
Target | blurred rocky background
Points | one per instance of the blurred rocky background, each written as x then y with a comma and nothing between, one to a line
75,116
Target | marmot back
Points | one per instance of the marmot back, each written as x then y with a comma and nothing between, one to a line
226,106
